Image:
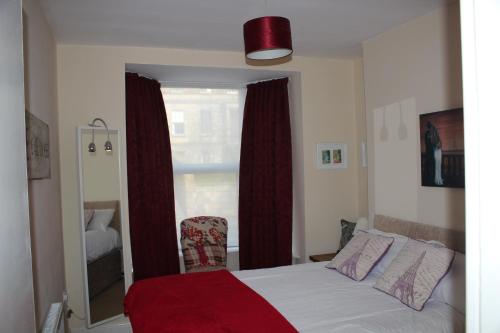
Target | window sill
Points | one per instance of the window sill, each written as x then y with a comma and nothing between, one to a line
232,249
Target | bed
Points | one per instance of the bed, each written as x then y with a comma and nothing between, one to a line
315,299
104,251
309,296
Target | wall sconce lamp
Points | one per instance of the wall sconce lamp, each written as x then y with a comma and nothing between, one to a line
108,147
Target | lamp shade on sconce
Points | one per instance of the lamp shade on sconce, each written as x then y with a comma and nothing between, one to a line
267,37
108,147
92,147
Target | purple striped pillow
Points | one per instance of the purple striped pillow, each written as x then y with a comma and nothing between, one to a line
360,255
414,273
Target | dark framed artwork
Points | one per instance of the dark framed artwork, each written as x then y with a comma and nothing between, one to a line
442,148
37,147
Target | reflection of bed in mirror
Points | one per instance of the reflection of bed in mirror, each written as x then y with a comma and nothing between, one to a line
104,251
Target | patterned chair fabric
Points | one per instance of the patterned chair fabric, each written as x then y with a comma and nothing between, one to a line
204,243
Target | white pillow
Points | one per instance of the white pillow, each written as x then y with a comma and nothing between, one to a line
361,224
102,218
392,252
88,214
451,289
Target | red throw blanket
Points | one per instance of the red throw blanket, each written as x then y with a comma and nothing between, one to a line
210,302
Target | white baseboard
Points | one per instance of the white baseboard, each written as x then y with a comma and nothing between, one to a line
121,325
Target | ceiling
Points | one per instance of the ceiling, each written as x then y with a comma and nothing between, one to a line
323,28
205,76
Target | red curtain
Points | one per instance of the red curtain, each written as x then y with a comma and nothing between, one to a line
265,194
150,181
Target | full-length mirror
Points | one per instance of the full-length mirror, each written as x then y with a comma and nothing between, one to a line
100,222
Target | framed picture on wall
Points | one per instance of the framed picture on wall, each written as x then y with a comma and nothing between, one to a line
331,156
442,148
37,147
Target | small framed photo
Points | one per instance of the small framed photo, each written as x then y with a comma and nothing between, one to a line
331,156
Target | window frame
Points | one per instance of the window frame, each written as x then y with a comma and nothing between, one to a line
207,168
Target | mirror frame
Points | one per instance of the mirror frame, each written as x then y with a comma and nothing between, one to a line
79,131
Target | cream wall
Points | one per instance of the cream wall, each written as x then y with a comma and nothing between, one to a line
100,169
91,84
409,70
44,194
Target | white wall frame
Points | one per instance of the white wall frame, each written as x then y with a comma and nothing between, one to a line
480,26
124,233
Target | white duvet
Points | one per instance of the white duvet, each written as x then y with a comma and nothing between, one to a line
98,242
316,299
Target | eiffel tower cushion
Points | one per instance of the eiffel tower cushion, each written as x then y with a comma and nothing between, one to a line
414,273
359,256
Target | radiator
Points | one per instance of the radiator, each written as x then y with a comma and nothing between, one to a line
54,322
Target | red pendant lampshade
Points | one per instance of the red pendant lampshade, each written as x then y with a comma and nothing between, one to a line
267,37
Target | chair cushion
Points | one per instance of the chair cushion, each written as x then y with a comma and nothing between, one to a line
204,243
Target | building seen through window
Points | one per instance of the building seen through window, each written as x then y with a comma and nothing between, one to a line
205,133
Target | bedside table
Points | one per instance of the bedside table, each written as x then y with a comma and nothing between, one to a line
322,257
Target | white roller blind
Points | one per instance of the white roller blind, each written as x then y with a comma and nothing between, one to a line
205,133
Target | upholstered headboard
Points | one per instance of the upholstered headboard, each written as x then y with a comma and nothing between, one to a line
453,239
115,204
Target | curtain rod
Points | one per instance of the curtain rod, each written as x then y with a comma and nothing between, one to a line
274,78
205,84
140,74
202,84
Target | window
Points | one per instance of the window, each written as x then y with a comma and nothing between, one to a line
206,122
177,123
206,152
